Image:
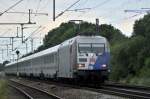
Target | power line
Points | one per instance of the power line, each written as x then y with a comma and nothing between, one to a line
33,33
80,10
36,13
94,7
82,3
62,11
100,4
11,7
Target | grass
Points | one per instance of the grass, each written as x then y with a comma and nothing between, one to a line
140,81
3,89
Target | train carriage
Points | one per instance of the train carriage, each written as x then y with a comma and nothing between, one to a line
85,57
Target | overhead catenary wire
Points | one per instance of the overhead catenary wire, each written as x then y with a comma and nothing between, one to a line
81,4
79,10
36,13
35,31
100,4
94,7
67,9
11,7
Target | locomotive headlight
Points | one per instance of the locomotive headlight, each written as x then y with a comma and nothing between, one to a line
104,65
81,65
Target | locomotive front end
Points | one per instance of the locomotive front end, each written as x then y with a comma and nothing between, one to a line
93,58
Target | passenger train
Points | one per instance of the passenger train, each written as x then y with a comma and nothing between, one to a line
81,57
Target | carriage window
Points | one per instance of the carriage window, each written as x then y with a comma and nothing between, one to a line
98,48
84,48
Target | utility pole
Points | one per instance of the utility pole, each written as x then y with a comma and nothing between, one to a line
12,43
22,32
31,44
97,25
7,50
2,54
17,32
26,47
53,10
22,28
21,24
29,15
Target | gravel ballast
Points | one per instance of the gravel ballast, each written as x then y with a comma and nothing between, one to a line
67,92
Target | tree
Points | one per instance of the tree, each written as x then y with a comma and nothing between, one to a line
69,30
142,26
130,59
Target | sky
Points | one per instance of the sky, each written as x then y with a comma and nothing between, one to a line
107,11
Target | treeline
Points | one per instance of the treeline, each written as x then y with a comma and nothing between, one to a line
131,59
69,30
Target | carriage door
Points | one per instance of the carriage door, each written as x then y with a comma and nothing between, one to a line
64,61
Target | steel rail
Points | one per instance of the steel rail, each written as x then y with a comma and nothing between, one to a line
22,91
112,90
36,91
125,91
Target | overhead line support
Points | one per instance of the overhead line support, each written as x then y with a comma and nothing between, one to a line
53,10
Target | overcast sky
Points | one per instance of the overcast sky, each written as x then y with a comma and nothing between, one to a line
108,12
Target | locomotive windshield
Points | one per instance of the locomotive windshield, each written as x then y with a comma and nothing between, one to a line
91,48
84,48
98,48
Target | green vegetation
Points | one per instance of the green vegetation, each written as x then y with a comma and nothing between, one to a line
131,59
69,30
3,89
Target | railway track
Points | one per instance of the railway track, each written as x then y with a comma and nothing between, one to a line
123,92
119,85
134,92
31,92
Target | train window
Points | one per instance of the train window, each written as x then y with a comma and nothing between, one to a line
91,47
98,48
84,48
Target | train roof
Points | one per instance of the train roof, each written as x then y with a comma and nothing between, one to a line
82,37
41,53
100,37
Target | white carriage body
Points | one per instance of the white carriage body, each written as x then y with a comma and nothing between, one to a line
59,61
